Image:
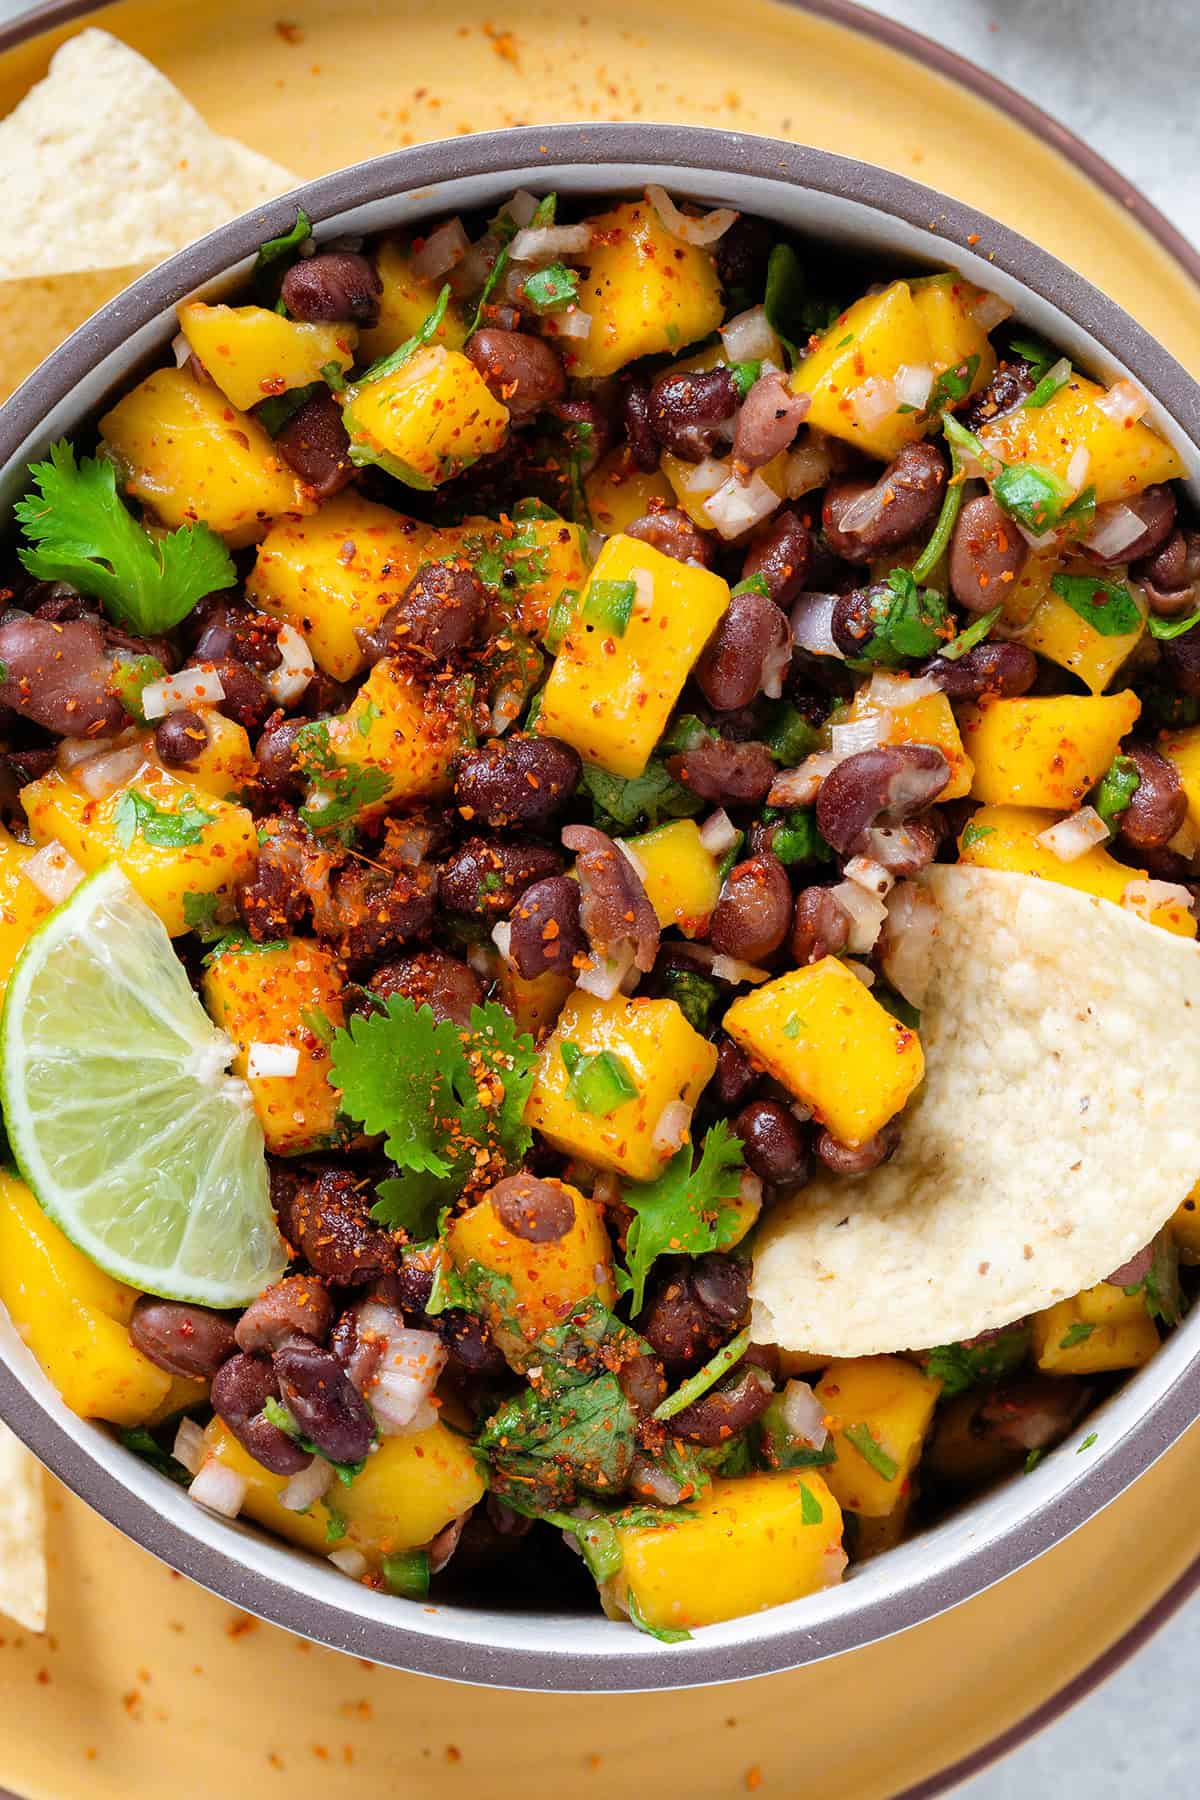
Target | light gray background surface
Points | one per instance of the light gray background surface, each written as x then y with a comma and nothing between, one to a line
1126,78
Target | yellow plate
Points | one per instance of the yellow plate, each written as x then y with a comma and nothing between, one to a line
145,1683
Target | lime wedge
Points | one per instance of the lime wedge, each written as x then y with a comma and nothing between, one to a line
119,1111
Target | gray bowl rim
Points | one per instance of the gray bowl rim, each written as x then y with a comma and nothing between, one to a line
702,152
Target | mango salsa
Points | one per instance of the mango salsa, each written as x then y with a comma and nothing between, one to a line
427,421
1123,455
396,741
1044,751
646,292
879,1409
1101,1329
405,304
253,353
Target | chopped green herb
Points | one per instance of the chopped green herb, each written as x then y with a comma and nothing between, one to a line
789,736
274,412
653,795
334,374
406,1572
791,313
1079,1333
975,633
1037,354
811,1510
693,993
598,1084
144,1444
685,733
552,289
1159,1286
200,914
665,1634
284,1420
559,622
340,788
1118,785
793,1027
909,621
137,815
130,674
943,530
287,245
1087,1443
962,1366
698,1384
745,374
335,1525
684,1210
871,1450
609,605
1056,376
425,332
239,940
952,384
1170,628
796,838
1033,1459
974,834
752,584
319,1023
84,534
1107,606
369,716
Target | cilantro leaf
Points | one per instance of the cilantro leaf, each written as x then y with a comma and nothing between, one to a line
871,1450
143,1443
1170,628
429,328
1079,1333
84,534
682,1210
238,939
551,289
1118,785
975,633
792,313
137,815
974,834
200,915
908,621
274,412
284,1420
1056,376
653,795
340,787
665,1634
1037,354
287,245
698,1384
693,993
952,384
1107,606
962,1366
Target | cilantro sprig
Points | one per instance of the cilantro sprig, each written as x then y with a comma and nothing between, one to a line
684,1209
83,533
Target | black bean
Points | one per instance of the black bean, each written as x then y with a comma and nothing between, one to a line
367,912
1155,507
775,1147
523,371
820,926
334,287
687,410
694,1306
635,415
180,738
742,253
909,848
469,1344
1009,387
248,701
768,420
546,931
184,1339
324,1213
296,1306
541,1212
752,636
323,1400
781,555
910,491
516,780
59,676
315,445
447,986
1169,577
1181,660
1159,804
442,609
587,429
614,909
990,668
231,630
754,911
485,876
670,531
275,753
241,1388
987,554
887,784
720,769
735,1074
857,1159
853,620
725,1410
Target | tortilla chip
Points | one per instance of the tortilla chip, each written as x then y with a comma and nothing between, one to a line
1057,1129
22,1535
104,163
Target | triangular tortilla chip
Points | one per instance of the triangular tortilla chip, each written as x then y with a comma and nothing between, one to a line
104,163
22,1535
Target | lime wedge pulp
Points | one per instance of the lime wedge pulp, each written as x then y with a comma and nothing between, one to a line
119,1111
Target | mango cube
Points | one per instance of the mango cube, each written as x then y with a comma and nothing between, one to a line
271,996
955,334
929,720
665,1059
336,574
1124,455
822,1033
548,1279
646,292
1063,636
864,347
618,493
681,878
186,453
225,766
22,905
313,1529
642,623
1005,837
746,1544
72,1316
1101,1329
253,353
404,305
428,420
1047,750
536,1002
879,1409
530,561
397,740
174,841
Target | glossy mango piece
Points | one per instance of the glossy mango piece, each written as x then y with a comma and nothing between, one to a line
879,1409
22,905
1099,1330
404,305
1044,750
426,421
646,292
1124,456
254,353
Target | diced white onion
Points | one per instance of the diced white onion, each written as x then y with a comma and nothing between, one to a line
865,912
53,871
872,402
481,959
73,750
1144,897
703,231
812,625
733,970
1073,837
219,1489
861,971
799,786
914,382
989,310
102,775
649,1478
870,875
808,466
272,1059
445,246
643,596
286,683
862,513
306,1486
803,1415
188,1447
1077,468
718,833
542,243
501,937
407,1375
739,506
191,687
603,976
749,337
906,942
1037,540
701,479
855,735
180,349
632,858
574,323
1123,402
351,1562
898,691
671,1129
521,208
1114,528
750,1189
775,665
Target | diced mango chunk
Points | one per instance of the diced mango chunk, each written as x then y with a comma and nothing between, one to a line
1103,1328
665,1059
618,493
642,623
530,561
1005,837
291,996
929,720
1124,455
428,420
863,348
534,1002
746,1544
397,740
72,1316
405,304
186,453
955,335
646,292
822,1033
253,353
175,842
879,1409
681,878
1063,636
22,905
225,766
547,1278
1046,750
